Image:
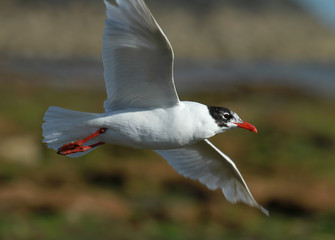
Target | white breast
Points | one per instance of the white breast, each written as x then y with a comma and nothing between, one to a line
180,125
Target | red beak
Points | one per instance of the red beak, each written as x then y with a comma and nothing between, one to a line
247,126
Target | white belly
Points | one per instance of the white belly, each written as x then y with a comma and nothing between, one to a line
155,129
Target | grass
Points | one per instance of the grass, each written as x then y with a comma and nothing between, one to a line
88,227
120,193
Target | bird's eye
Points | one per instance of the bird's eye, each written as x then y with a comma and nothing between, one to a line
226,116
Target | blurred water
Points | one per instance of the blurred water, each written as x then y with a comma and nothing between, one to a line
310,77
190,76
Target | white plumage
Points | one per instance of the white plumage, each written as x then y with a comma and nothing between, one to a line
143,109
137,59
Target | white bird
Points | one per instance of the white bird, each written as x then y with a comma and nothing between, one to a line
143,110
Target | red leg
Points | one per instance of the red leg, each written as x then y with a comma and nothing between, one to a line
78,146
101,130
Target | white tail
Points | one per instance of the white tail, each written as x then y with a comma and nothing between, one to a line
63,126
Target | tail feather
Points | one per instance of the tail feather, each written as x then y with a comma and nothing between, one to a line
62,126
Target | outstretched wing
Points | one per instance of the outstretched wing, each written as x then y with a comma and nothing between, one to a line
137,58
204,162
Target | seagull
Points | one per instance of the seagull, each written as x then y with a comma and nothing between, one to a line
143,111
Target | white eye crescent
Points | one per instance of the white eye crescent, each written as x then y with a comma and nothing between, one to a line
226,116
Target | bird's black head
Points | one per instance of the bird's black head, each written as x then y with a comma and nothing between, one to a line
221,115
227,119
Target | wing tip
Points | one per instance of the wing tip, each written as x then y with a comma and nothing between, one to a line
251,204
240,193
263,210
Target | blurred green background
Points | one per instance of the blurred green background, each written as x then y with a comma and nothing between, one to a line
270,61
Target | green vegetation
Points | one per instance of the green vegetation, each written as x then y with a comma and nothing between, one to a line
120,193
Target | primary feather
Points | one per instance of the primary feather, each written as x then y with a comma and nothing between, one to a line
137,59
204,162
